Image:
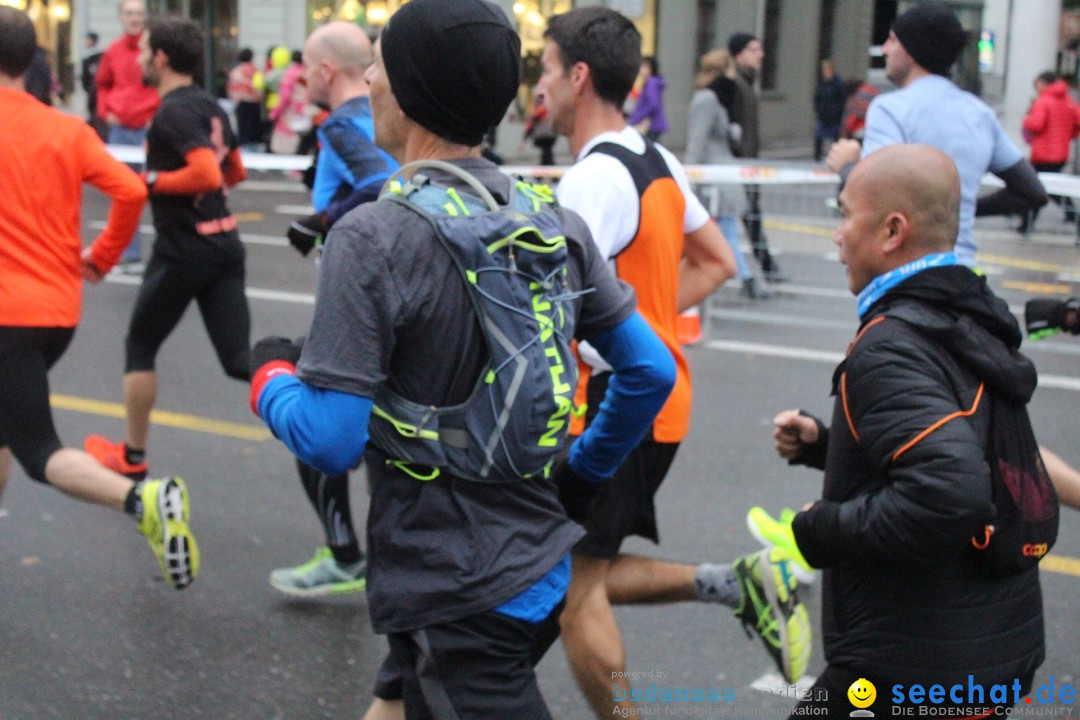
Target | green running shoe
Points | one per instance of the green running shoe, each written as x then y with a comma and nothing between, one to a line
164,524
772,533
321,575
770,606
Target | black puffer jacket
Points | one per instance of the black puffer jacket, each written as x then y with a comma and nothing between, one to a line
902,601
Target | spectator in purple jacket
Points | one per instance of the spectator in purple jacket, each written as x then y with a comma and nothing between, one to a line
648,116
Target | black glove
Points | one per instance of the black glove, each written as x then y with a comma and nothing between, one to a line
304,233
1045,316
274,348
579,497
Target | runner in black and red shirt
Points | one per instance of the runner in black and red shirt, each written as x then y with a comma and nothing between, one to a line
191,159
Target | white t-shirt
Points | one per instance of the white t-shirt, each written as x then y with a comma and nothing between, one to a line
600,189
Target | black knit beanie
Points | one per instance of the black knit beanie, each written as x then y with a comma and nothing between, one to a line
454,65
738,42
932,36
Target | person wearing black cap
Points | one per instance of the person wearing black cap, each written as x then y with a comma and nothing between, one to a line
468,544
748,55
929,109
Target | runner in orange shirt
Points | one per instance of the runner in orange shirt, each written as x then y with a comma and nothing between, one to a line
47,157
635,197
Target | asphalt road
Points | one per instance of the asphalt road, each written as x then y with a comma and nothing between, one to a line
88,630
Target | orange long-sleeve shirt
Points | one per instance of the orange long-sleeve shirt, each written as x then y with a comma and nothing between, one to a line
46,158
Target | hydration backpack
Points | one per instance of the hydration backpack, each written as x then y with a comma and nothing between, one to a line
1025,522
513,261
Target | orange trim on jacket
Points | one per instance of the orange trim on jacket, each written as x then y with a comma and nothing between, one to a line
47,156
843,376
922,435
958,414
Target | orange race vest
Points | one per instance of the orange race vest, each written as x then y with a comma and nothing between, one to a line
650,263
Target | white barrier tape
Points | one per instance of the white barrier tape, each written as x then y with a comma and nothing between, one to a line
1055,183
252,161
713,174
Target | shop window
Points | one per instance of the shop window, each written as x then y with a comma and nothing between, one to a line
643,15
365,13
52,23
531,17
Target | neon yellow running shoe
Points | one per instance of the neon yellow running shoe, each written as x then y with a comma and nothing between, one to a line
164,524
770,606
777,533
321,575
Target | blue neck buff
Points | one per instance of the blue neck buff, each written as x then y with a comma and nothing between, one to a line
883,283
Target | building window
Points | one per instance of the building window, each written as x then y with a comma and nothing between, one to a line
706,37
218,18
826,29
771,44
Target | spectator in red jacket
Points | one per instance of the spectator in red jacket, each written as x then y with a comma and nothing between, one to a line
124,101
1049,127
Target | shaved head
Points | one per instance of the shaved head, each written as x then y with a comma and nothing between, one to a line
918,181
899,204
342,44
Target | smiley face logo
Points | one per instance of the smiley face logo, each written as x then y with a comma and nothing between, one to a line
862,693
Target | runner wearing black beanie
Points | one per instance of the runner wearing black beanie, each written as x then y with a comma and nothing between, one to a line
458,100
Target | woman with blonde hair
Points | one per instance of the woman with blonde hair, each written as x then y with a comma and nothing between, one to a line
710,134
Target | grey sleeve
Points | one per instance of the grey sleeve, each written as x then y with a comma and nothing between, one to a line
357,306
1023,191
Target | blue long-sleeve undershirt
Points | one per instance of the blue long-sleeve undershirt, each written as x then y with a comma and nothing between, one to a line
643,377
327,429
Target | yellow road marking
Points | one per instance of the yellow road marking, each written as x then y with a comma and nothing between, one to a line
1061,564
1051,563
1023,264
795,227
248,216
1038,288
164,417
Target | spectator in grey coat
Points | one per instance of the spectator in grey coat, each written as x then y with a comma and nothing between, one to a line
748,55
710,134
